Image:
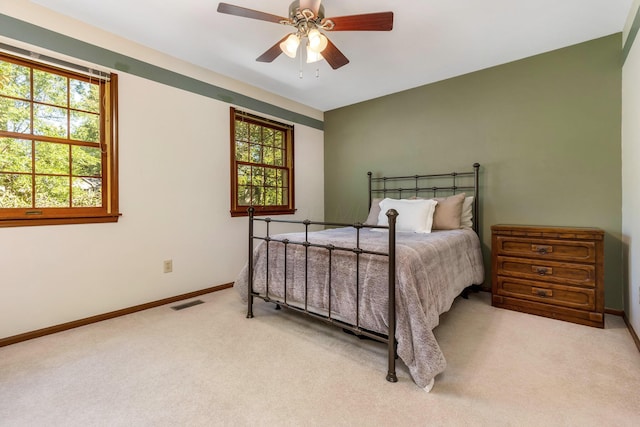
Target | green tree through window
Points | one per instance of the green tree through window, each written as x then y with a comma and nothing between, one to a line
261,165
57,157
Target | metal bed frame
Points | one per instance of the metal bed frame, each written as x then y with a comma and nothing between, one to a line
390,186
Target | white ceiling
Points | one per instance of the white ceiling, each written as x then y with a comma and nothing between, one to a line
431,40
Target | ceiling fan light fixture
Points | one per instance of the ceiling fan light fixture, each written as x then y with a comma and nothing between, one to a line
317,41
308,18
290,46
313,56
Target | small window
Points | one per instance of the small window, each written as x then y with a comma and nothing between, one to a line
261,165
58,162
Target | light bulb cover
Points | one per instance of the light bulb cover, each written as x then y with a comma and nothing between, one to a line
317,41
290,46
313,56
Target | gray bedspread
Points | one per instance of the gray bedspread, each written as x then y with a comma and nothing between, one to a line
431,270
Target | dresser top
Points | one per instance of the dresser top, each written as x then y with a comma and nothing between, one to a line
548,231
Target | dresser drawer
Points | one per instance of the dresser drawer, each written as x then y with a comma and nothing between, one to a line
549,293
561,250
548,271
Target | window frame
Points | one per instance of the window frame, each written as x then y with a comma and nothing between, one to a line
242,210
108,143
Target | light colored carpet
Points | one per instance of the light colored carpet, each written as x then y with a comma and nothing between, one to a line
208,365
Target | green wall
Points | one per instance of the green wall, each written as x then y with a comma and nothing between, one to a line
545,129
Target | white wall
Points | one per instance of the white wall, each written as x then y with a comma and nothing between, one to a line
174,197
631,174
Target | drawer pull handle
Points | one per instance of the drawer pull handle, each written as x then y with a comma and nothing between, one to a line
542,249
542,271
544,293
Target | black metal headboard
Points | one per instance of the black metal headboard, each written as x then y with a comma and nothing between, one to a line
431,185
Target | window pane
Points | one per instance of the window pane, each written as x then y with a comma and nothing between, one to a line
49,88
268,136
285,178
270,197
84,96
14,80
16,155
15,191
280,199
244,175
242,151
278,139
278,159
242,131
49,121
256,153
87,161
244,195
285,196
258,198
87,192
52,158
85,126
255,133
52,192
268,156
270,175
14,116
257,177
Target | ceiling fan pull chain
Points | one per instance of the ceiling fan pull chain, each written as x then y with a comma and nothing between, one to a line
300,57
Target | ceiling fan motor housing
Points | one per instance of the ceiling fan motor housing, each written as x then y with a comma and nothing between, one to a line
295,14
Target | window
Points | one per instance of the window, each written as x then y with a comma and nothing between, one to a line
58,159
261,165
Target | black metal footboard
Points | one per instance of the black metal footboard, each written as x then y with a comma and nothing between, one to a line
356,328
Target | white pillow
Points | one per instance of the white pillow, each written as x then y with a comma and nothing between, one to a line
413,215
466,219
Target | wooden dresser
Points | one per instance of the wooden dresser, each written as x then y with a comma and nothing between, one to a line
555,272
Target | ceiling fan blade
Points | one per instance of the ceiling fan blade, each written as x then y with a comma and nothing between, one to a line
333,56
273,52
380,21
314,5
249,13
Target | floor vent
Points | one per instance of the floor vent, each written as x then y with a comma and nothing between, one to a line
187,304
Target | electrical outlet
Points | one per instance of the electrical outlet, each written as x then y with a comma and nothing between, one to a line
168,266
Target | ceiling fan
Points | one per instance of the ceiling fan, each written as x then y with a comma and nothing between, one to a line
308,18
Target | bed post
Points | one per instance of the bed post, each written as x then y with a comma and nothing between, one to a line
370,197
391,374
476,189
251,210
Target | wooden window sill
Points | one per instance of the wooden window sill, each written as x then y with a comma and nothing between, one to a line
27,222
